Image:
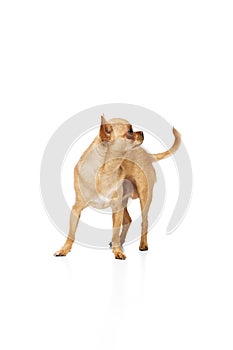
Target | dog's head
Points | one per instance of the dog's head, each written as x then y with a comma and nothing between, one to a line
119,133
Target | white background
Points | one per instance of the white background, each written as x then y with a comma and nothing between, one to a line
58,58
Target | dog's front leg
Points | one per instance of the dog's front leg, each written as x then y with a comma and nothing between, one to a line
117,218
126,224
74,219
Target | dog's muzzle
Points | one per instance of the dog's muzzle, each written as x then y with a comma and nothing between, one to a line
139,136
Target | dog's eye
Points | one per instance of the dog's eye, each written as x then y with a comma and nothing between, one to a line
130,131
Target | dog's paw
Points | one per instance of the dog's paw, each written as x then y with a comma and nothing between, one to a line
143,247
61,252
120,256
118,253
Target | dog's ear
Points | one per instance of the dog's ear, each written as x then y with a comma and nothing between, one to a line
105,129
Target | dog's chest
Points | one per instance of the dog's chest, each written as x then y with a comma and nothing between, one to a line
106,197
100,202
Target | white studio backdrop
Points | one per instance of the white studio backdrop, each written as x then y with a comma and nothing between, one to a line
59,58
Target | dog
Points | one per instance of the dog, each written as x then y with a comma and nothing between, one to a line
113,169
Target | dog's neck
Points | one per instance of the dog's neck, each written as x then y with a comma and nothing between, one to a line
100,174
112,161
103,157
110,173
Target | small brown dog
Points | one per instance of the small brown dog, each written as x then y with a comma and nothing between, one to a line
113,169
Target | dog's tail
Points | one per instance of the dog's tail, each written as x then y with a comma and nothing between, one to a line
175,146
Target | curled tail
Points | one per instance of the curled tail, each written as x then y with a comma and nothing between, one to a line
175,146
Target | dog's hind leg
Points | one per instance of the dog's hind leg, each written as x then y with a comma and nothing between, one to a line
145,201
74,219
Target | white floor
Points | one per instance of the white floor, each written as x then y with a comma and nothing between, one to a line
176,295
58,58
